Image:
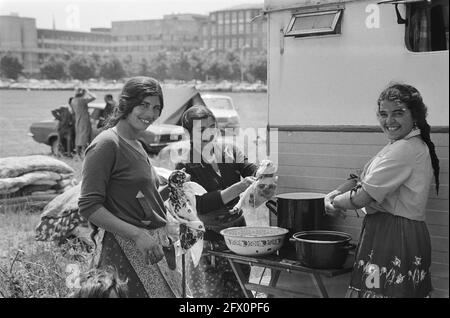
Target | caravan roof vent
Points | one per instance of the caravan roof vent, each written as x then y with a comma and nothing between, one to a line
314,23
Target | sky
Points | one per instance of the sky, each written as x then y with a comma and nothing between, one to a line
81,15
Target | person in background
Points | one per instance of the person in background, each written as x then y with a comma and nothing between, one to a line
119,196
83,129
219,171
101,283
393,257
102,115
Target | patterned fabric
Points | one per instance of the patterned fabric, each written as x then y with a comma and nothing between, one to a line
154,281
393,258
213,277
60,227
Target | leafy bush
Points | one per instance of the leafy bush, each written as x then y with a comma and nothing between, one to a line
10,66
54,68
82,67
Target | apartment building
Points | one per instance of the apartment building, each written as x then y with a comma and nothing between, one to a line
61,42
18,37
241,28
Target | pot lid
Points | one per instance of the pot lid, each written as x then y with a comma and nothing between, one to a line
322,237
301,196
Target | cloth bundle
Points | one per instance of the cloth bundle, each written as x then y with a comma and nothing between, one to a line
31,175
262,190
181,211
60,218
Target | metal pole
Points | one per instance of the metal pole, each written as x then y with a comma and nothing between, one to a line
183,277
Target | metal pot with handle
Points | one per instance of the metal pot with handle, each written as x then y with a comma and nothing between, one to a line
322,249
298,211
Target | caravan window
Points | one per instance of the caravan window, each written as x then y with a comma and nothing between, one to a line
427,28
316,23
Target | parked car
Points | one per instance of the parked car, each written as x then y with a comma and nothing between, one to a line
165,130
223,108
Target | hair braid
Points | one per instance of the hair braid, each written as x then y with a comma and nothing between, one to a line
425,130
411,97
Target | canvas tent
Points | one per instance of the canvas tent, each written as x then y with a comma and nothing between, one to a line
176,101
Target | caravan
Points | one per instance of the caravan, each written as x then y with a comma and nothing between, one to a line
327,63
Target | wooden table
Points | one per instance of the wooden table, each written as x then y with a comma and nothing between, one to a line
276,264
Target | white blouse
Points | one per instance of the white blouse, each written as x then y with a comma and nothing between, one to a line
399,177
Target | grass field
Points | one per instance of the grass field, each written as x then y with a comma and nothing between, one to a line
38,269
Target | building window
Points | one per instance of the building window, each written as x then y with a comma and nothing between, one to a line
248,16
234,17
241,16
241,28
234,43
220,18
427,27
255,42
316,23
233,29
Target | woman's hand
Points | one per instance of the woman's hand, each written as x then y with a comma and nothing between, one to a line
173,230
149,247
330,209
245,183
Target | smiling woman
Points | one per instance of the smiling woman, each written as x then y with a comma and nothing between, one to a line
394,253
119,195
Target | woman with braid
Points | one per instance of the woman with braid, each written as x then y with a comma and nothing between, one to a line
393,257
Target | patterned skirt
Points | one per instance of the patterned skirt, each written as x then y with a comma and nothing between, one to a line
393,258
154,281
213,277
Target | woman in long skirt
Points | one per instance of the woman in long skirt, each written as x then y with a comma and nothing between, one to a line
119,195
393,257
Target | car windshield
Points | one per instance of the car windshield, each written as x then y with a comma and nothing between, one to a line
218,103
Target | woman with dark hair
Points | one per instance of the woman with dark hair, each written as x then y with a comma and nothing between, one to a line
218,168
393,257
83,130
119,195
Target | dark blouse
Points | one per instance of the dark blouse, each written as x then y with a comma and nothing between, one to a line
231,170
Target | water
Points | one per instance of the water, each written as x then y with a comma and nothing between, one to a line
20,108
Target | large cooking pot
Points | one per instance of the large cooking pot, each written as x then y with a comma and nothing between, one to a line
298,211
322,249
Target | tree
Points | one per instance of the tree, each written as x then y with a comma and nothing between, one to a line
258,68
10,66
144,68
179,67
54,68
82,67
196,60
112,69
158,66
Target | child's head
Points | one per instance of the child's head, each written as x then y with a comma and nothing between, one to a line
101,283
